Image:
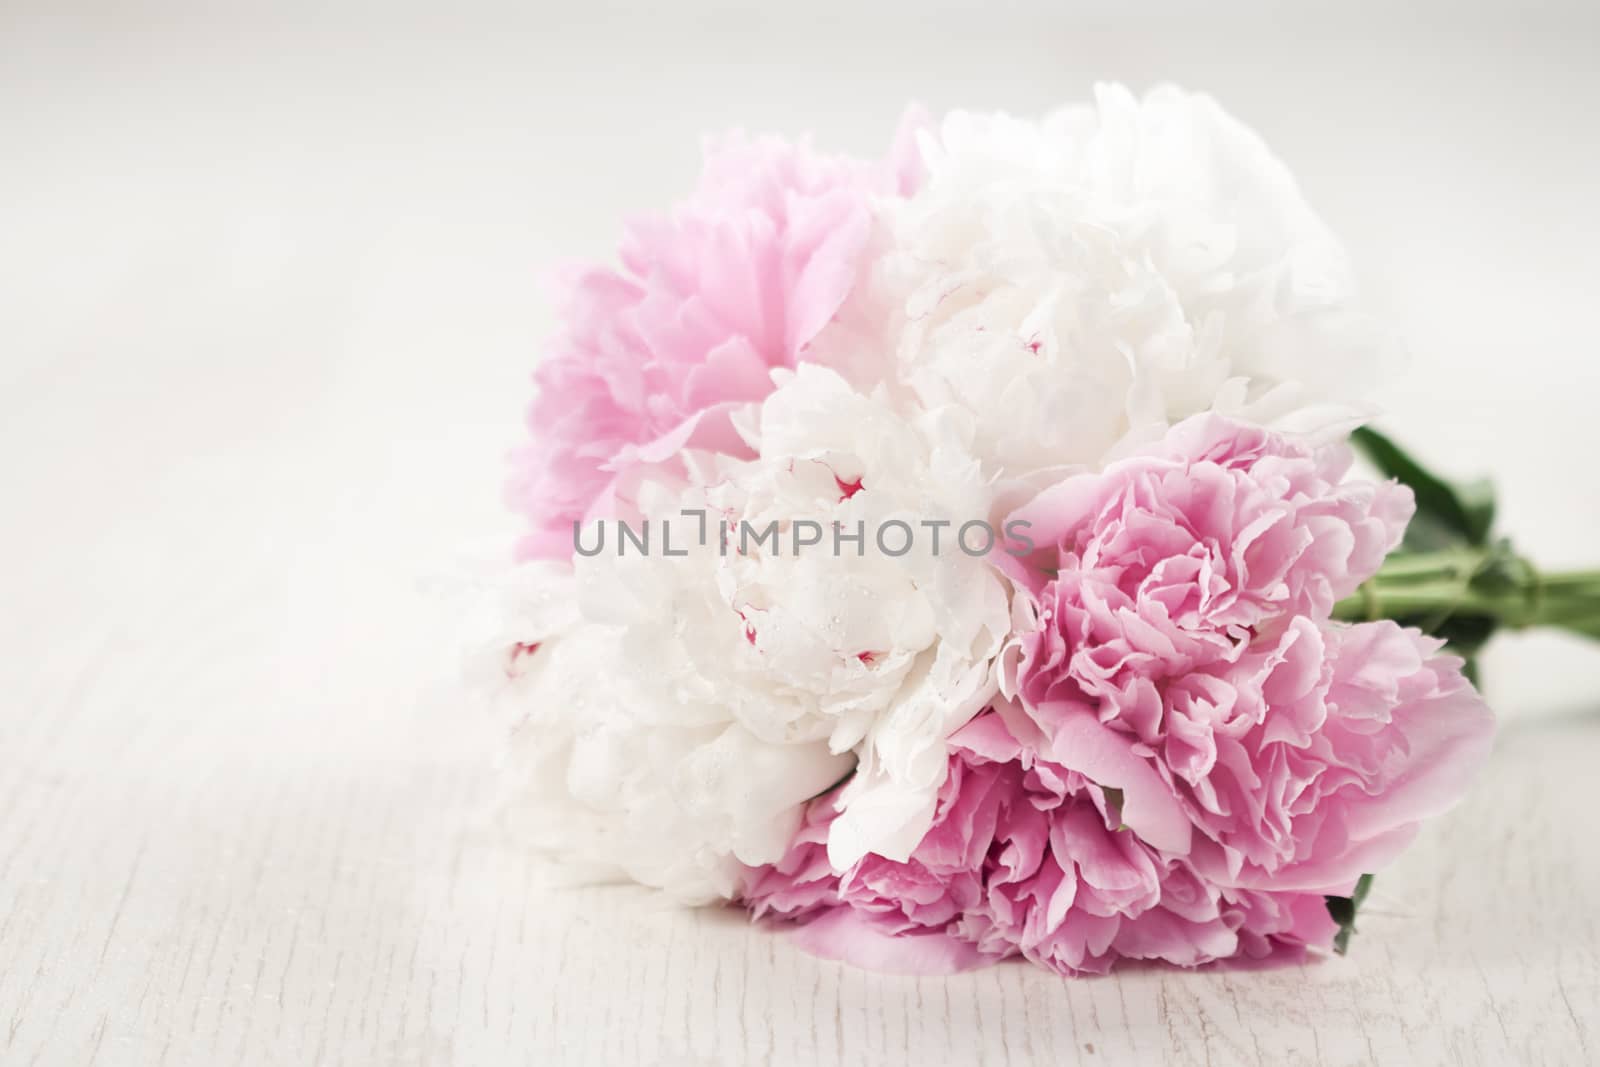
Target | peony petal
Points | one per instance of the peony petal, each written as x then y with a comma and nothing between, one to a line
850,937
1084,744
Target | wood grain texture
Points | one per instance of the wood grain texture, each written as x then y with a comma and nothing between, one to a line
290,905
266,317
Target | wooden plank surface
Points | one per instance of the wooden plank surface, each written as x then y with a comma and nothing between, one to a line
266,313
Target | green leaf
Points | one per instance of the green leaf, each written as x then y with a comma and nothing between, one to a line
1477,504
1447,512
1343,910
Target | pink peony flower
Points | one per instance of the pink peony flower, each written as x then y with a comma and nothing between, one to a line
739,280
1195,756
1180,603
1025,857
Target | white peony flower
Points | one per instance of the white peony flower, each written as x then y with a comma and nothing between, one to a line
676,730
1080,283
615,773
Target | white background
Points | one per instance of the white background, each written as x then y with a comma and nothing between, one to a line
268,305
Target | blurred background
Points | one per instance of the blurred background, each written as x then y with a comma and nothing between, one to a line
269,276
269,304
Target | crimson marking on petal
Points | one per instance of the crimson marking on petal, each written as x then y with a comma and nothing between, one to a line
749,630
847,489
519,652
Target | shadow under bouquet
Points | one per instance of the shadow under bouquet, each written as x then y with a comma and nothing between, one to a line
961,556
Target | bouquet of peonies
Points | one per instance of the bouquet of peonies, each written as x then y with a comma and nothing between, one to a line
958,557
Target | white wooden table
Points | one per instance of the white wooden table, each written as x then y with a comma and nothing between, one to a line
266,312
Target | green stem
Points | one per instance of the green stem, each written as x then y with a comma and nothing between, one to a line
1488,583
